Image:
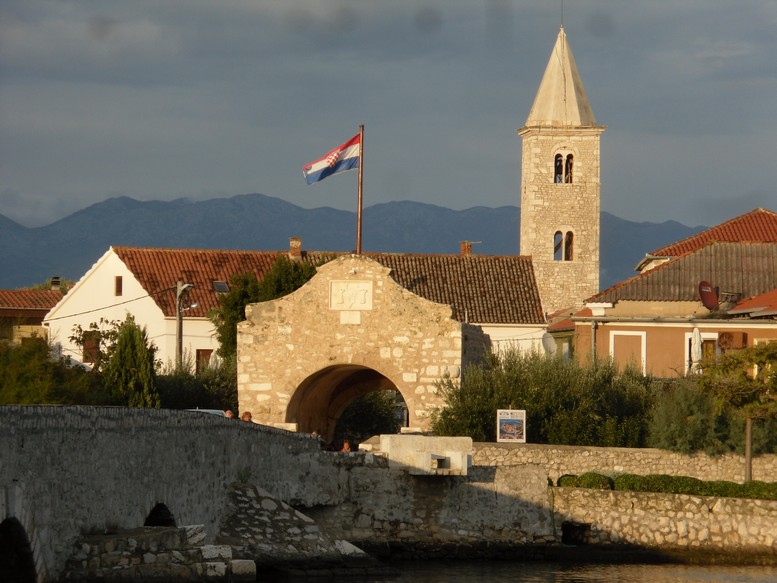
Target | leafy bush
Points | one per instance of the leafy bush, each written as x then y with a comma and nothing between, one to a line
566,403
686,419
692,486
29,375
595,481
567,481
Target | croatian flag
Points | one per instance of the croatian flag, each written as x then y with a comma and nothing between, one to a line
345,157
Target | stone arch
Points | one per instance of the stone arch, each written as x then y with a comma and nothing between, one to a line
321,398
350,328
17,562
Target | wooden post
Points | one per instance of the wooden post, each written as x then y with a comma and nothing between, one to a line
748,449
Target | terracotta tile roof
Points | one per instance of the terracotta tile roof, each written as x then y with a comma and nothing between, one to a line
757,226
740,268
760,306
480,288
159,269
29,299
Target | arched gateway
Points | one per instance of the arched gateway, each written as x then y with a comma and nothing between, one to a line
348,331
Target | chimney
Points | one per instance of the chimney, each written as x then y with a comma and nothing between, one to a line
466,248
295,248
55,283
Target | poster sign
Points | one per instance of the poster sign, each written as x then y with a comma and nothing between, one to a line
511,425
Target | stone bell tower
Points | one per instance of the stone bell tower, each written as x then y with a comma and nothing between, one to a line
560,187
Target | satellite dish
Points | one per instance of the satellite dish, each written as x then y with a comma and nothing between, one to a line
708,295
549,343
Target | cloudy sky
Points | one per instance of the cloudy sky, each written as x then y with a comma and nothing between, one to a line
163,99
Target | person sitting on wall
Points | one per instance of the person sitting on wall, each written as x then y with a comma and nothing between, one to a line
246,416
346,446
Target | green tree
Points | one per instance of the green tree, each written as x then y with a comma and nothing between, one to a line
29,375
370,414
284,277
100,337
130,372
746,381
684,419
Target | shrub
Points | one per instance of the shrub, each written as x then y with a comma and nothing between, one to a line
760,490
595,481
567,481
687,485
566,403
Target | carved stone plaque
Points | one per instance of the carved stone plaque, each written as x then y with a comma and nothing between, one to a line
350,295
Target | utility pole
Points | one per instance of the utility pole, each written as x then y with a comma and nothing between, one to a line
181,289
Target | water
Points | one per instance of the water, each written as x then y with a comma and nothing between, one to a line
542,572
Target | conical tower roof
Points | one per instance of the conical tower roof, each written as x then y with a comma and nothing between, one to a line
561,99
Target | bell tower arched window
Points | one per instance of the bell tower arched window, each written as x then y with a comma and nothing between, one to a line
563,246
563,167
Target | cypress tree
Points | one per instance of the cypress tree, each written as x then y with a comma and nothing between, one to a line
130,373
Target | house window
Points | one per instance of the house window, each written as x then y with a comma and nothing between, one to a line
91,347
563,246
203,359
629,349
118,283
563,167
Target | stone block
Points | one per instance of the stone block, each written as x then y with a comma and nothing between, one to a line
242,570
215,569
211,552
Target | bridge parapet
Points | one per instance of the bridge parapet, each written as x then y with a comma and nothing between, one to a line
423,455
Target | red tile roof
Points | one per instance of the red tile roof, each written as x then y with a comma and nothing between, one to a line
763,305
29,299
480,288
757,226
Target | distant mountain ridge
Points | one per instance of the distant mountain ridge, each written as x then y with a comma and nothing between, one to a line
70,246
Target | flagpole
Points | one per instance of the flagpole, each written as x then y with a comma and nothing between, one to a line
359,203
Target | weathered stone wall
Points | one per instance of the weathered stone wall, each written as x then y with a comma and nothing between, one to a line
67,471
668,522
564,459
351,318
490,506
155,553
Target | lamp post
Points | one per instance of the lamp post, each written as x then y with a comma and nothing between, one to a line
181,288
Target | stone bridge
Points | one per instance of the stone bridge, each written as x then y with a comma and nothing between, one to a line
70,471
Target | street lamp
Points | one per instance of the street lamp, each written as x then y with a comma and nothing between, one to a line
181,288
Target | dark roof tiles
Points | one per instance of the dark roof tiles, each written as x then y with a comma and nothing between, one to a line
741,269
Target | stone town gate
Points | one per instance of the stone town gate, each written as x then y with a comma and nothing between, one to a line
348,331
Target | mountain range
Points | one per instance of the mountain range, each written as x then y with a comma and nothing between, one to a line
70,246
